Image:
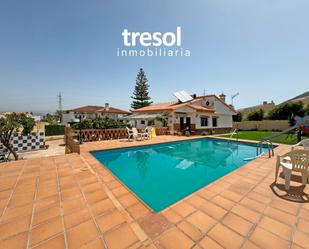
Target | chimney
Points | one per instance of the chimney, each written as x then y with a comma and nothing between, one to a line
222,97
106,106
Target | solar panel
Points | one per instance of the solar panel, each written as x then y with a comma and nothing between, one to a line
183,96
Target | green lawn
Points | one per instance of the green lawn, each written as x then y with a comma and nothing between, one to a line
257,135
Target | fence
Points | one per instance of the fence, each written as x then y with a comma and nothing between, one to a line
109,134
264,125
72,137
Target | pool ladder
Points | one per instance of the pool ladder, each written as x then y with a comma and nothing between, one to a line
270,148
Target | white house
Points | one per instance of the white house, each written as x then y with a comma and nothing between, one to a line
92,112
203,113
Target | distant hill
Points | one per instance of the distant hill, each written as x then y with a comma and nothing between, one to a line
304,97
265,106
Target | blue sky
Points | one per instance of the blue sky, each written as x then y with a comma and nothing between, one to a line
258,48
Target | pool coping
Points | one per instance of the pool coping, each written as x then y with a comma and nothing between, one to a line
191,138
238,210
178,140
164,222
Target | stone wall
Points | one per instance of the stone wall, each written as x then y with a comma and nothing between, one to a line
213,131
264,125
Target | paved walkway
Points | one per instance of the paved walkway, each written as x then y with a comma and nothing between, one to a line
72,201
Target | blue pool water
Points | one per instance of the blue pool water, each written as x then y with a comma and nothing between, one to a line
162,174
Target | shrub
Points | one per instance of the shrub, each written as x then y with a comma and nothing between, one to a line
237,117
175,133
187,134
204,133
11,124
256,115
287,110
98,123
54,130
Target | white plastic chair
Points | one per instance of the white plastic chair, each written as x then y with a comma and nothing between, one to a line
147,132
130,133
296,160
136,134
304,143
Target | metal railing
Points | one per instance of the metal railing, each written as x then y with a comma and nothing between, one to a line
270,148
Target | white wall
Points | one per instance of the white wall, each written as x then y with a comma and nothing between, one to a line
184,112
224,114
223,121
221,108
108,115
67,118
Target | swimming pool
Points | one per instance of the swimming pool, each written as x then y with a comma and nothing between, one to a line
162,174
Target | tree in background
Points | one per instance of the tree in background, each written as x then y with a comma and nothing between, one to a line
307,110
11,125
58,116
98,123
141,95
287,110
52,118
48,118
237,117
256,115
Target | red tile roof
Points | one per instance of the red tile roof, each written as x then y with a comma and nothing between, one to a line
112,110
165,106
170,106
94,108
200,108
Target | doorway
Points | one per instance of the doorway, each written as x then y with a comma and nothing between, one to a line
188,123
182,123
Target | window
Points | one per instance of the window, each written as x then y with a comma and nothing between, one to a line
214,122
142,122
204,121
150,122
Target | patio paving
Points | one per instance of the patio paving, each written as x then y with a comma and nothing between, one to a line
72,201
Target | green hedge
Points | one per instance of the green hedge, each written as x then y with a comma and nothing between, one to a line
53,130
98,123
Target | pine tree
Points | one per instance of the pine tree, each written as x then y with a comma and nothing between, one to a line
140,95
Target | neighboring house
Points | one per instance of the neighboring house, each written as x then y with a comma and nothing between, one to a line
92,112
202,113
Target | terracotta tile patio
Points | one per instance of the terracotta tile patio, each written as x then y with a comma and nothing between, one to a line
72,201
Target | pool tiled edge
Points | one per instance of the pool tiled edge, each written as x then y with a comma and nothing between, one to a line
238,210
219,194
